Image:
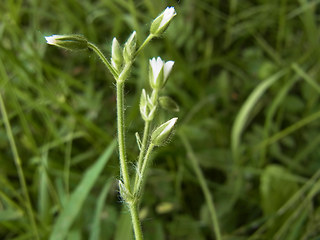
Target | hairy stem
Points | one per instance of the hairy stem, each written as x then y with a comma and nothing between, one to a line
135,221
122,149
121,135
155,96
146,41
144,167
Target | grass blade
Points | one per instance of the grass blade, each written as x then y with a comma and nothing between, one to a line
204,186
19,168
77,198
242,117
95,229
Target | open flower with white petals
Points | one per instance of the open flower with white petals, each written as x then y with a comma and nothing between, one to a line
159,72
160,24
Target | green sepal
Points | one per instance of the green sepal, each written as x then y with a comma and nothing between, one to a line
116,55
129,49
155,25
169,104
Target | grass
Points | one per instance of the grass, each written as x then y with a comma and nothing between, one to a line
246,79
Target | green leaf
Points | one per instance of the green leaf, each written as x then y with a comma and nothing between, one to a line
277,186
10,214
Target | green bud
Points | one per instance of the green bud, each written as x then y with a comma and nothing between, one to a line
129,49
116,55
147,109
70,42
161,23
161,134
169,104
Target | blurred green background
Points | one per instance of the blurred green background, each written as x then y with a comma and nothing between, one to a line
246,77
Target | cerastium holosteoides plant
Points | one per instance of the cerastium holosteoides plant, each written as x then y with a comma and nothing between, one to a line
120,66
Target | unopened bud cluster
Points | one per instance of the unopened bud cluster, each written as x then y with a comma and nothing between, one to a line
147,107
126,55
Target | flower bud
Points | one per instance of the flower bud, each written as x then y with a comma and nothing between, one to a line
169,104
161,23
161,134
116,55
70,42
147,109
159,72
129,49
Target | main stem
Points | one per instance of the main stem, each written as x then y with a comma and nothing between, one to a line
121,135
133,206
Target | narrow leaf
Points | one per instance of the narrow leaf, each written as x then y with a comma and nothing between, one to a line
242,117
77,198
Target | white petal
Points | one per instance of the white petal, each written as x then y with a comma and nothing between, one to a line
169,126
52,39
168,14
167,69
156,66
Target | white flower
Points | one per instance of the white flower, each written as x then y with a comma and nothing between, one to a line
159,72
160,24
